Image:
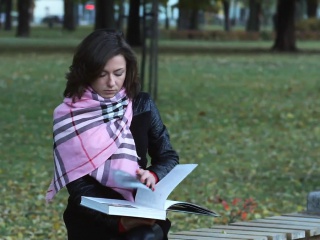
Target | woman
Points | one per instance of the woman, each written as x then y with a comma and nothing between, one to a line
104,124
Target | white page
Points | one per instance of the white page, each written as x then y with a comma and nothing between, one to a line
157,198
125,180
122,208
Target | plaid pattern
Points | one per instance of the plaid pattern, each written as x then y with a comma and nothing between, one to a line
92,136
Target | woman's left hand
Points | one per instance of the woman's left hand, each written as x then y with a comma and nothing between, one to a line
147,178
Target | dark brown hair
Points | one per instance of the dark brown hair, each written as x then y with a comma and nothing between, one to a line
90,58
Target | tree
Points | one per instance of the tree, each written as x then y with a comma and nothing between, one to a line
104,14
194,19
6,7
167,24
23,29
253,23
285,26
121,15
300,10
1,10
69,19
189,13
312,7
226,7
8,19
133,29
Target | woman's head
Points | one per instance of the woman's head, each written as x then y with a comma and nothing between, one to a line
97,57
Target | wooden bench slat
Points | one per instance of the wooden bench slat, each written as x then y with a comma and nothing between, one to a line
285,227
196,238
304,215
313,228
310,231
221,235
291,223
297,219
269,235
176,237
291,235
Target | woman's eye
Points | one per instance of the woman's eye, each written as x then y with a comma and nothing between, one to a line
118,74
102,74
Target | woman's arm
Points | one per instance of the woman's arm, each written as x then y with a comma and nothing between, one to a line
163,156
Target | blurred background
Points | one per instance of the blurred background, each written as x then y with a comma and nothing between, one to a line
236,82
206,19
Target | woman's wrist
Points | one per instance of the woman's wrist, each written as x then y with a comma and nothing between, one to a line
155,176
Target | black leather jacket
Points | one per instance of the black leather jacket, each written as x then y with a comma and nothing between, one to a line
150,137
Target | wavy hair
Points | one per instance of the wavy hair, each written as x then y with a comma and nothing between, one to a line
90,58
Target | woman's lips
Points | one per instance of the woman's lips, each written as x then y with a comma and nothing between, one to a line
109,91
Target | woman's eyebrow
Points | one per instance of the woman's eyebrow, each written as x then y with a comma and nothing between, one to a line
119,69
116,70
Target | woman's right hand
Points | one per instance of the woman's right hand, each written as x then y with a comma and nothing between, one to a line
131,222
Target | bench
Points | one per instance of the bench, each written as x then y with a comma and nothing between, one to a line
305,225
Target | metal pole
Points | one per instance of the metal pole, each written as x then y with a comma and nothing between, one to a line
155,29
143,53
153,50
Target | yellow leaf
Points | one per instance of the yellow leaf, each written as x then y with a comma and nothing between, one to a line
290,115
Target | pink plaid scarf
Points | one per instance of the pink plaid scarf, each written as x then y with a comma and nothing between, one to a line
92,136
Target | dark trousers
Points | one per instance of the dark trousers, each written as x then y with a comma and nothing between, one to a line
79,228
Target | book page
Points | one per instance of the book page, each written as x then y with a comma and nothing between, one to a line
125,180
122,208
157,198
188,208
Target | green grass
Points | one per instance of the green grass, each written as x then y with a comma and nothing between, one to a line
251,122
45,40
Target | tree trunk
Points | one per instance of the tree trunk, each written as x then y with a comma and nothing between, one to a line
312,6
285,26
69,19
105,14
253,24
23,29
1,10
121,15
300,10
226,7
133,30
194,23
167,24
8,19
183,19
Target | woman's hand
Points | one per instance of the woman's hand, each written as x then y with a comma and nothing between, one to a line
131,222
147,178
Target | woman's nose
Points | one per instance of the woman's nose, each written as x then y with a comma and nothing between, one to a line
111,81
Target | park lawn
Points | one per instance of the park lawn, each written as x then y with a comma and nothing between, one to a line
44,40
251,122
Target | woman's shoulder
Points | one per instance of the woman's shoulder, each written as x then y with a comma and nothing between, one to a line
142,103
142,97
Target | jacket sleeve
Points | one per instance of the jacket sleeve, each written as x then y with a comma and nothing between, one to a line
87,186
163,156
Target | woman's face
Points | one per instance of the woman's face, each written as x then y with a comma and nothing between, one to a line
112,77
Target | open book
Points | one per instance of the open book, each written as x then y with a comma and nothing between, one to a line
148,203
